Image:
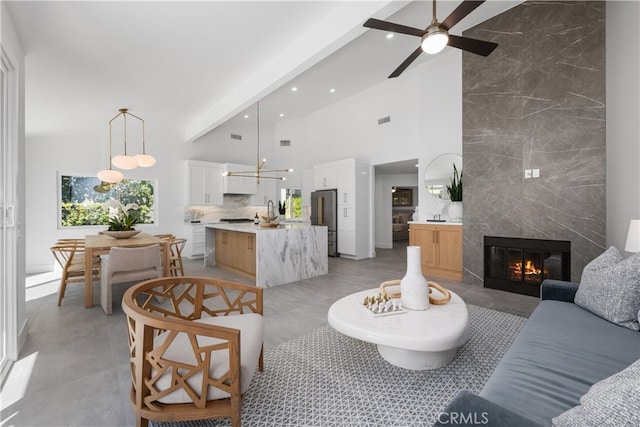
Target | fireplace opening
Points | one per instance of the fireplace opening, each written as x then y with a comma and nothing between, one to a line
520,265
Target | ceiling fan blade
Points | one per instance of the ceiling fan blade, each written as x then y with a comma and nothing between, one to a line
406,63
460,12
377,24
479,47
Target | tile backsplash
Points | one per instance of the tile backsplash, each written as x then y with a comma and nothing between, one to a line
235,206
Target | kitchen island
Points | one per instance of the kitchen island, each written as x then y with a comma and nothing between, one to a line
273,256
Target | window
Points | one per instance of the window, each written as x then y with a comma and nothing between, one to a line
290,204
82,197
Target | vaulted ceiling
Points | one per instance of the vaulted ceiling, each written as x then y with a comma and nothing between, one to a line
197,65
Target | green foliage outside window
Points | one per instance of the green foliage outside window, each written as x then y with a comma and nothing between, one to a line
82,200
291,203
296,207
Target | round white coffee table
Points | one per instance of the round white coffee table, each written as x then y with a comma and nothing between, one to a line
418,340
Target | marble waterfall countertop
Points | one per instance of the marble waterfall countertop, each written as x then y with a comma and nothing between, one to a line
245,227
284,254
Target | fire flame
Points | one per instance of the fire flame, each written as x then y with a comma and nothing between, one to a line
530,269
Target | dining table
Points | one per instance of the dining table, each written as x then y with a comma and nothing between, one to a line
101,244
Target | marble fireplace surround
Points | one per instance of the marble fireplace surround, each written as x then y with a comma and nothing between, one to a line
537,102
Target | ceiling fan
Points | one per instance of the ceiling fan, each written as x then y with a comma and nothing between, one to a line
436,36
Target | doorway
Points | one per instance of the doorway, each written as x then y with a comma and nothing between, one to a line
8,165
395,200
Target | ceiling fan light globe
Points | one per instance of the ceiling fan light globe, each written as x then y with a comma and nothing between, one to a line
145,160
124,162
435,41
110,176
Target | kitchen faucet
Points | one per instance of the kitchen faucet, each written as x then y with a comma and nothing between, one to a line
270,203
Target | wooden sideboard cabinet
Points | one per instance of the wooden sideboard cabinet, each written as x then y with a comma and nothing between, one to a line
441,249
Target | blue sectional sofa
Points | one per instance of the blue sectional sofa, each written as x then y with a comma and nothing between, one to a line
561,351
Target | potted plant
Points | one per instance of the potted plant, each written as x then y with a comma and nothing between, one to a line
121,219
455,195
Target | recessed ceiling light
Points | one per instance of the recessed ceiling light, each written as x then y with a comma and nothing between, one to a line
390,35
281,114
246,116
294,89
332,90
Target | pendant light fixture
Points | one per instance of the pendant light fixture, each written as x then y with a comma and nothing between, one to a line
110,176
124,161
259,172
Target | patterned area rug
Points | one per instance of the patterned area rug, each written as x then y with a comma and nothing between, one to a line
327,379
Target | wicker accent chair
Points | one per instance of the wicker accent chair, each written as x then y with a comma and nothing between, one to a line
194,344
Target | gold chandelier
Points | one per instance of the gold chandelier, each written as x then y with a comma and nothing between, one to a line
125,161
259,172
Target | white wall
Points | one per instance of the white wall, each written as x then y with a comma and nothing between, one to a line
623,113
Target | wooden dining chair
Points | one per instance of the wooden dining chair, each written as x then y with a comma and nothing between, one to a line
166,236
127,265
70,257
176,267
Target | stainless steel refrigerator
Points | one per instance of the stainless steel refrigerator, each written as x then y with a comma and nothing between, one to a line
324,211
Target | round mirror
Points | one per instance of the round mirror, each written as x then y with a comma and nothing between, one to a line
436,178
439,173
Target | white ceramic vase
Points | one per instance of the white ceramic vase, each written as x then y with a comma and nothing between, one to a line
413,286
455,211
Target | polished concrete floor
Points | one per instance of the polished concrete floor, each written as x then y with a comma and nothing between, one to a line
73,369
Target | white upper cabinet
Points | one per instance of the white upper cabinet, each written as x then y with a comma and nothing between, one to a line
325,177
240,184
204,183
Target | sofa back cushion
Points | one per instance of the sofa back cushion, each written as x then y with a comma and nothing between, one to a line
610,288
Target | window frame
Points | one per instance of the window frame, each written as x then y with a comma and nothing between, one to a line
60,174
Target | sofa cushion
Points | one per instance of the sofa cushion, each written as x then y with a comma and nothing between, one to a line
251,327
611,402
610,288
559,353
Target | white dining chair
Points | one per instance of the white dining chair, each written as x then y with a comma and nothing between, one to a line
127,265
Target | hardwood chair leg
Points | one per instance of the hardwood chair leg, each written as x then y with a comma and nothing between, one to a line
141,422
261,359
63,288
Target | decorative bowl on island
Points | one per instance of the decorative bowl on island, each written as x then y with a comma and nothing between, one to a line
269,224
